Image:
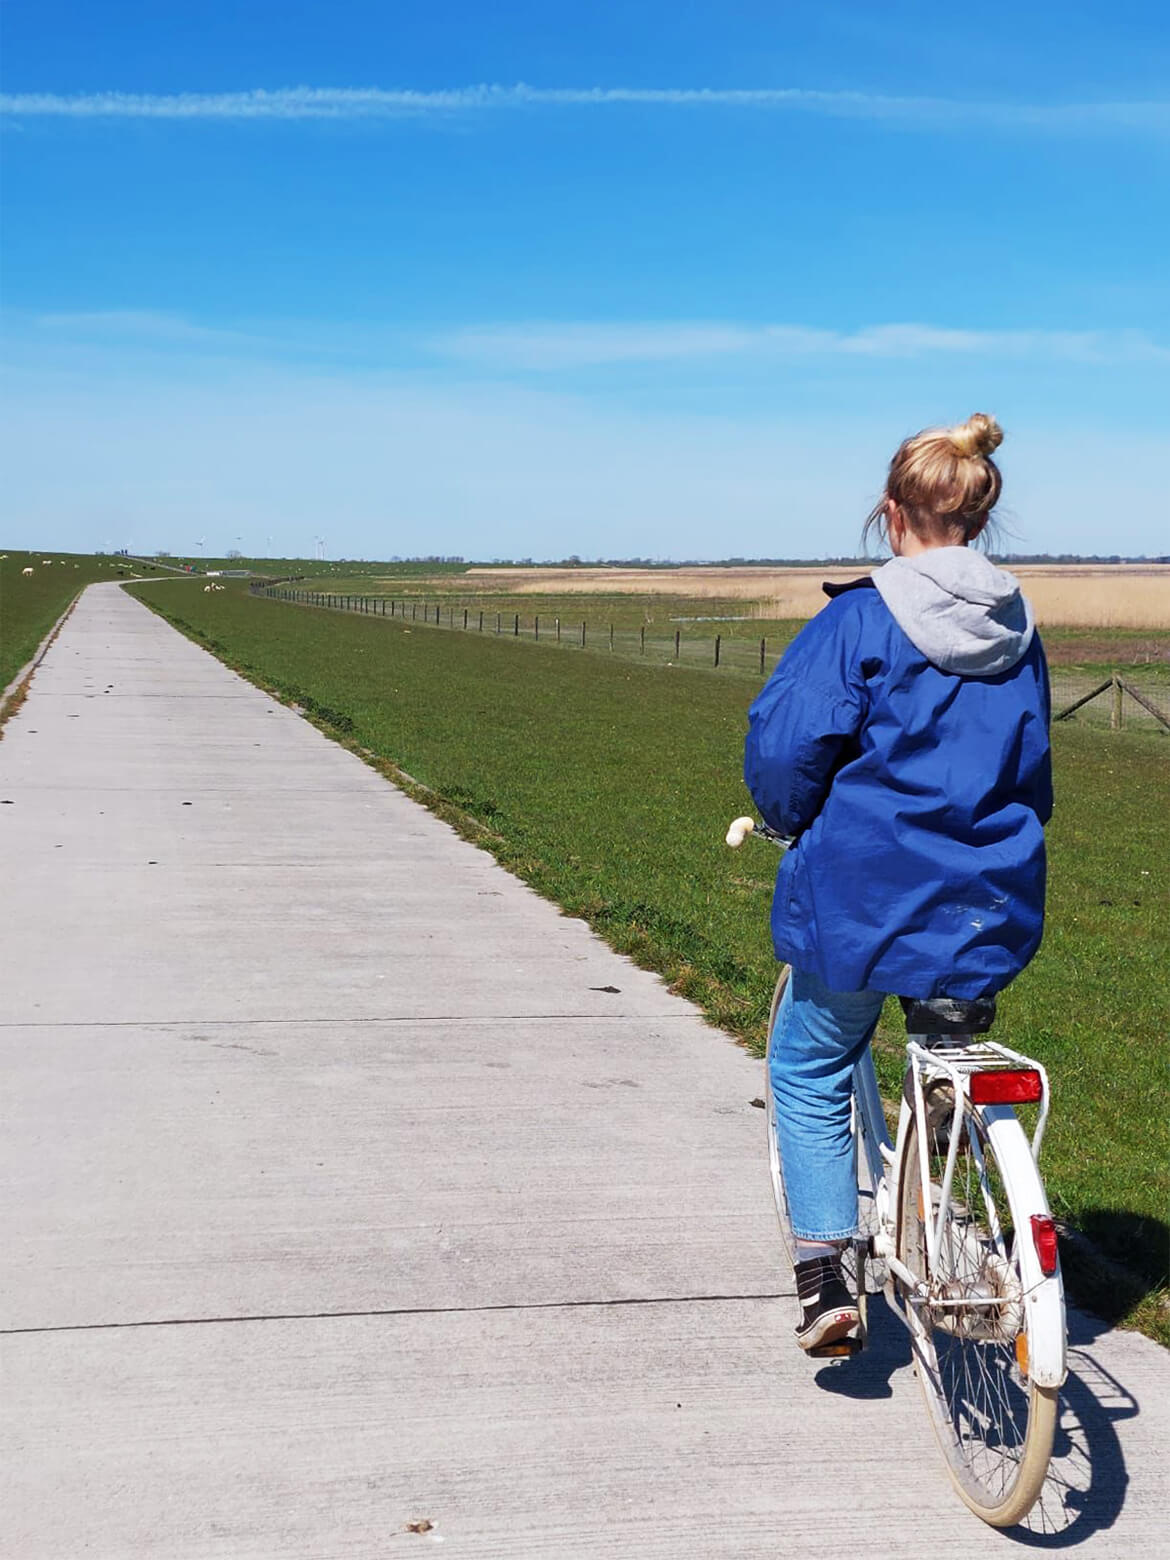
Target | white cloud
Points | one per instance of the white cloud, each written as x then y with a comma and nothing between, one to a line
552,346
381,103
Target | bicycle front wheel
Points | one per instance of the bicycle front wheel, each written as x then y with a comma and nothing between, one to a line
774,1167
973,1334
856,1271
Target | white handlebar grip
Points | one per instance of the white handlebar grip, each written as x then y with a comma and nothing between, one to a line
739,831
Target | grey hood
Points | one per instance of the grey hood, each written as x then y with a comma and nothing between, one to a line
955,606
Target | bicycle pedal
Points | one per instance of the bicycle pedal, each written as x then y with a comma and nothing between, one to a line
839,1349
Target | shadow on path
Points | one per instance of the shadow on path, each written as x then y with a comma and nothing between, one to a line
1087,1477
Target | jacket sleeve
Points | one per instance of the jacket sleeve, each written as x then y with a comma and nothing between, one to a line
804,723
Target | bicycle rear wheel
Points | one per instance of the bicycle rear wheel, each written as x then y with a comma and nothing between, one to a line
972,1345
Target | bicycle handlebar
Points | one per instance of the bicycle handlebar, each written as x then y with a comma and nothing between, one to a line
740,828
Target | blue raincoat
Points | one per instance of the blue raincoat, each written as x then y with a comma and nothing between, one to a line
918,797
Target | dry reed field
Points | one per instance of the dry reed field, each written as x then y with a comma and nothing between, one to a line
1120,595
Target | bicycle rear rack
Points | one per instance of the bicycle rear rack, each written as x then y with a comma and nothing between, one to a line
955,1062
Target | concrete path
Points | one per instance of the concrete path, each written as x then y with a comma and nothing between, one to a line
349,1185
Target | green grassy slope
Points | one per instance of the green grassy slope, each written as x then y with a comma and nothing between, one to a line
29,606
608,785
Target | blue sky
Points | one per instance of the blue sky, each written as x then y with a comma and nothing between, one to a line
531,280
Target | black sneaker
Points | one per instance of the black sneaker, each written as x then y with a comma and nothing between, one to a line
828,1311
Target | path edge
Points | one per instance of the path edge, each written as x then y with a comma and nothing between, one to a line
17,690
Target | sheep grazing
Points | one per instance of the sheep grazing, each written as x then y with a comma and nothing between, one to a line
46,563
26,571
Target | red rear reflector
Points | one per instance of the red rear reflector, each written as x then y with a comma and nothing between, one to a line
1006,1086
1044,1238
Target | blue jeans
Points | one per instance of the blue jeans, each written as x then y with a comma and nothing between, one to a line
820,1035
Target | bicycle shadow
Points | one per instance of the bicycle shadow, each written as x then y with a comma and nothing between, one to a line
1087,1478
870,1374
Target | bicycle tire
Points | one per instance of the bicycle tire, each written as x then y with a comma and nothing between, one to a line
874,1273
865,1270
778,1194
994,1425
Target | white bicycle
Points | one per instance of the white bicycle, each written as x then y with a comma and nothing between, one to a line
954,1226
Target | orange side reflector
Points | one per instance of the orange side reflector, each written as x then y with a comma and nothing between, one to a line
1022,1353
1044,1239
1006,1086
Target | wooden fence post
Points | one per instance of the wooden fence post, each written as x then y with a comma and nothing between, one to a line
677,639
481,622
643,639
558,631
1116,714
536,627
516,627
718,637
611,636
582,636
497,622
762,651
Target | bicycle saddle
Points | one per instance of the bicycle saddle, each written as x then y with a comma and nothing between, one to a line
948,1015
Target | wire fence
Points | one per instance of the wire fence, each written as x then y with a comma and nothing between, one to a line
1117,702
674,645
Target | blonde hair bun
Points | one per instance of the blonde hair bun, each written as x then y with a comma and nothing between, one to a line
979,435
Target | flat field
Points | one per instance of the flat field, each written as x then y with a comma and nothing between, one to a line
31,604
681,630
1078,595
607,784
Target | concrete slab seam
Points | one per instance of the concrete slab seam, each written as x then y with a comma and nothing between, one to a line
392,1311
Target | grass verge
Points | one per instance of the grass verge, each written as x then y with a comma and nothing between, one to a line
607,786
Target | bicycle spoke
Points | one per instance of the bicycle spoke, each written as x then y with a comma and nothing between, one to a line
965,1341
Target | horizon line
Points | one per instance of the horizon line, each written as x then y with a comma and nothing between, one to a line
384,104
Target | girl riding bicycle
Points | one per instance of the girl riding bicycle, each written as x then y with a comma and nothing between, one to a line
903,741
